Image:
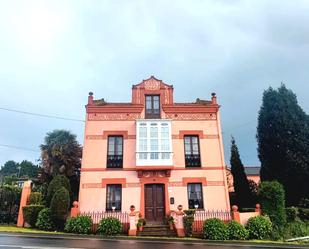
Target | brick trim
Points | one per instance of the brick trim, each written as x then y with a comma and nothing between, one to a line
186,180
115,133
121,181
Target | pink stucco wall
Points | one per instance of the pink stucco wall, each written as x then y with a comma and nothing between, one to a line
92,195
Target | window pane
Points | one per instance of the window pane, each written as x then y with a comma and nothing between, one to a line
153,132
156,103
165,145
143,132
165,155
113,197
142,145
195,195
154,145
154,155
164,132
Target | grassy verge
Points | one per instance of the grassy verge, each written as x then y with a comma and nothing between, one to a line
14,229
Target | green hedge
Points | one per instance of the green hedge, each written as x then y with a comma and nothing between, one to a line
214,229
291,214
236,231
35,198
303,214
272,199
109,226
59,207
58,182
45,221
188,220
80,225
31,212
259,227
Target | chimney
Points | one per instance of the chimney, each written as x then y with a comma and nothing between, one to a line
213,98
90,98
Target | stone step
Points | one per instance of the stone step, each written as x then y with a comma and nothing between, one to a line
157,230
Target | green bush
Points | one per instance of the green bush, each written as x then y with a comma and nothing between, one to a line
80,225
291,214
272,199
304,203
259,227
214,229
58,182
109,226
59,206
31,212
296,229
188,220
35,198
303,214
236,231
44,221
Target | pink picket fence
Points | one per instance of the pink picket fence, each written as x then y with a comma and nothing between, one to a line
201,216
98,216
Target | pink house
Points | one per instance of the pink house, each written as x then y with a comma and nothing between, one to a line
153,153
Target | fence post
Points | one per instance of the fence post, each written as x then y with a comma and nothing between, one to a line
23,202
74,209
235,213
179,222
132,221
258,209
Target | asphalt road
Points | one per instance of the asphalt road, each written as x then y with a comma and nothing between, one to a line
18,241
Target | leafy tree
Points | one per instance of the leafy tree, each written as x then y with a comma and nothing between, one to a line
28,169
241,184
61,154
283,144
9,168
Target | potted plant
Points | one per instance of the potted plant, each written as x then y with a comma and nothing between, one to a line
140,223
170,220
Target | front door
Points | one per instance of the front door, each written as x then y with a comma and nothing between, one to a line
154,202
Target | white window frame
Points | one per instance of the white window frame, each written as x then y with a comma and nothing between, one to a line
153,158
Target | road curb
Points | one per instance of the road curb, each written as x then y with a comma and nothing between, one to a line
252,244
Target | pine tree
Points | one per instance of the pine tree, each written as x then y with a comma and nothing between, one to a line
241,184
283,143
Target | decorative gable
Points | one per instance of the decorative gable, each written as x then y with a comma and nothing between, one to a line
152,86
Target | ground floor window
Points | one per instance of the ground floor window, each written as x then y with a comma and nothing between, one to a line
195,196
113,197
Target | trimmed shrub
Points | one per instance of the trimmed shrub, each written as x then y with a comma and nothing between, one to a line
109,226
303,214
44,221
291,214
58,182
188,220
272,199
31,212
80,225
35,198
59,206
236,231
214,229
259,227
296,229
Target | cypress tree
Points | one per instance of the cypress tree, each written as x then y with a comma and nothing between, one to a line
283,143
241,184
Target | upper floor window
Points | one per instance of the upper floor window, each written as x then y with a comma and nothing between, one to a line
154,143
113,197
115,152
195,196
192,151
152,106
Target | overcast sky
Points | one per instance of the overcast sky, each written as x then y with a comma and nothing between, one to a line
52,53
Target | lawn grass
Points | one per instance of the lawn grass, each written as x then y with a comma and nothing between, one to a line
14,229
